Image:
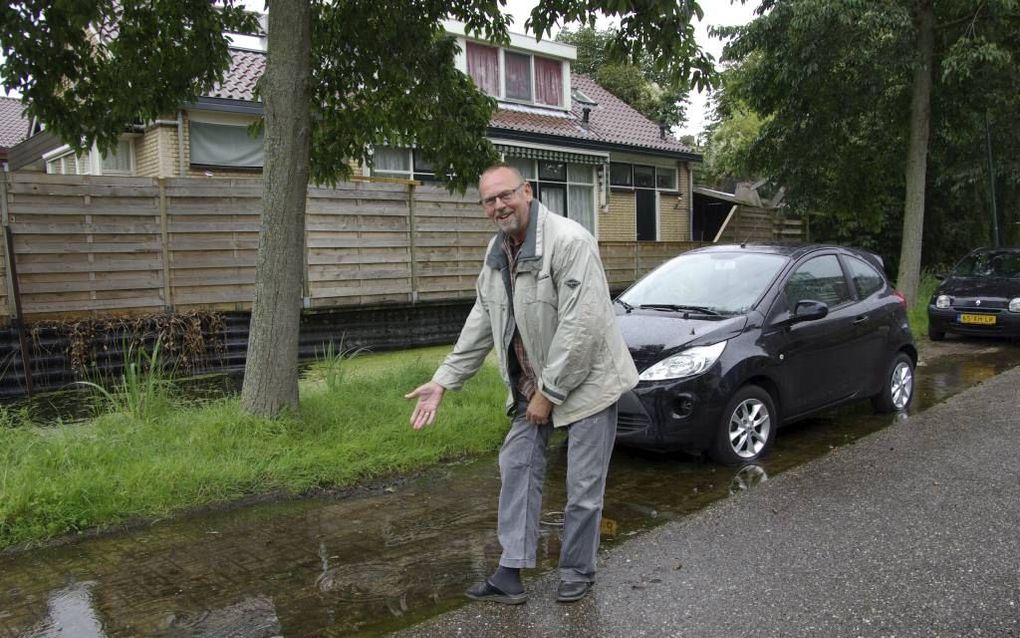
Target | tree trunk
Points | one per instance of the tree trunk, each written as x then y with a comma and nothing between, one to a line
271,369
917,153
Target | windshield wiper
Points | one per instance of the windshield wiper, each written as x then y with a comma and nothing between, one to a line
626,306
678,308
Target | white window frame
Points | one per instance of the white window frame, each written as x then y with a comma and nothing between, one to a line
408,174
676,179
567,183
92,161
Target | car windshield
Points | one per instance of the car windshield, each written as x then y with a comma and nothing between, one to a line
989,264
710,283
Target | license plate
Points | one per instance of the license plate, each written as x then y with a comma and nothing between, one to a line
983,320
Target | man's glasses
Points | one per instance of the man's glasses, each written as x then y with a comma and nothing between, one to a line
504,196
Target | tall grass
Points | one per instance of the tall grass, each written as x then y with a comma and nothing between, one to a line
150,459
917,313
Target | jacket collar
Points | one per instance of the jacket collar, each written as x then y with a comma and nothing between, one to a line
530,257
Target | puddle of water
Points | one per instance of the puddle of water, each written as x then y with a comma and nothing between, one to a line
371,564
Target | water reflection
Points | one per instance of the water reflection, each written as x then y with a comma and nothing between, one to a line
374,563
748,477
69,612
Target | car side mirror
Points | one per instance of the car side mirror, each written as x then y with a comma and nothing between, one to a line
809,310
939,276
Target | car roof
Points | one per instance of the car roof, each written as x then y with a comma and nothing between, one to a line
793,250
1001,250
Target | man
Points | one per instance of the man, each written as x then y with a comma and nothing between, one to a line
543,301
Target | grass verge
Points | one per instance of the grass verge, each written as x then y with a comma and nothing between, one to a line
131,464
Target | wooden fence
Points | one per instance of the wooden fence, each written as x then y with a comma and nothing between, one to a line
93,246
748,223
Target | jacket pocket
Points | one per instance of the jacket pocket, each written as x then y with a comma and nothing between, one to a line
545,290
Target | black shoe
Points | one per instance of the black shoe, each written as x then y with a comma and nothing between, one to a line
487,591
569,592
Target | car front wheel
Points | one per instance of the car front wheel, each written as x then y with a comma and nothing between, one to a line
898,388
747,427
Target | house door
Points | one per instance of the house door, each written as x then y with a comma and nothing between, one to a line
647,226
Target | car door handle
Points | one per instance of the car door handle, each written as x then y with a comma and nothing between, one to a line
860,320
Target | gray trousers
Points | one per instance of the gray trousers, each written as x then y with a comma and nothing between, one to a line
522,471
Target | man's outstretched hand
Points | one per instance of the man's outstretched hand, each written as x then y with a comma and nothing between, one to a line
429,396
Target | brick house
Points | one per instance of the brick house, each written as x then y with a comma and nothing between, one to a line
588,154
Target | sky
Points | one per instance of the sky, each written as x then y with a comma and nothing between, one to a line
717,13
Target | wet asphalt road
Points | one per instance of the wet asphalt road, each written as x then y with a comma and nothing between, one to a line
912,531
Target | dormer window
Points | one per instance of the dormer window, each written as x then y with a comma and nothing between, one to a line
516,76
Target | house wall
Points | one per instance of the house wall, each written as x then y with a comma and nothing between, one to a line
619,223
156,151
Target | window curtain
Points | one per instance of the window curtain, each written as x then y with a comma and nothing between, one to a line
391,160
581,204
553,198
483,67
225,145
548,82
518,76
526,167
119,160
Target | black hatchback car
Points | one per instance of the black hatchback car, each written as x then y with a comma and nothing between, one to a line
733,341
981,296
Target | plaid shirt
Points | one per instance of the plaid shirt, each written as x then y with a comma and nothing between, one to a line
527,383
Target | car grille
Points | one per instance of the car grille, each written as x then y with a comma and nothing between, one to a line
981,309
631,422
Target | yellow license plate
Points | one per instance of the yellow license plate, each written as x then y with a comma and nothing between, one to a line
984,320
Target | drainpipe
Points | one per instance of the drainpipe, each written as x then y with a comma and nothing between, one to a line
180,141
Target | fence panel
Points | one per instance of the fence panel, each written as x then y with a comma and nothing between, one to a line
86,244
212,240
358,242
451,234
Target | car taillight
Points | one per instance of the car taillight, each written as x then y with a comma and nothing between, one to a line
903,300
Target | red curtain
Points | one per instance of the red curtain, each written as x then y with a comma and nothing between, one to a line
483,67
548,82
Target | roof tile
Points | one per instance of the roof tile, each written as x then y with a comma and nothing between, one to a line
13,123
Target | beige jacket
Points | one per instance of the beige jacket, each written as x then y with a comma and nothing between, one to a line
565,316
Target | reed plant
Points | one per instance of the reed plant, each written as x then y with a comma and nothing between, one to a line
145,386
331,363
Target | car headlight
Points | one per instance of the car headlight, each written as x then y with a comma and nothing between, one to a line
1014,305
943,301
689,363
